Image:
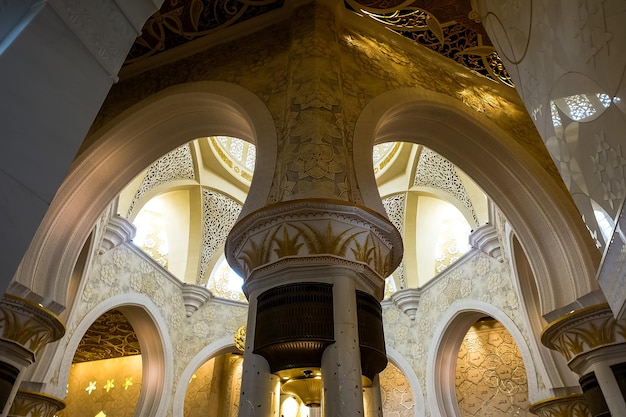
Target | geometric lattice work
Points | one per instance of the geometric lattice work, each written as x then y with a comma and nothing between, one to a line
219,215
394,206
433,170
175,165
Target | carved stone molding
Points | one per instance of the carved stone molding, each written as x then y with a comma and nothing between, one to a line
584,330
407,300
194,297
572,405
118,230
106,29
35,404
305,230
485,239
28,324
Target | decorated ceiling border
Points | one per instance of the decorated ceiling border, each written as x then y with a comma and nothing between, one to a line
178,22
450,27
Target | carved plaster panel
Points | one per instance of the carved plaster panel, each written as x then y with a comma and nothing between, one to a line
219,215
475,278
175,165
433,170
394,206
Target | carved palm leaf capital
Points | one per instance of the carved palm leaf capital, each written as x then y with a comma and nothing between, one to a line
314,228
584,330
28,324
564,406
28,403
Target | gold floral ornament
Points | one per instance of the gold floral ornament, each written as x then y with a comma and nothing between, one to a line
316,160
240,339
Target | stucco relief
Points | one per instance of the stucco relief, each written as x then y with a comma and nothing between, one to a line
475,277
126,271
327,98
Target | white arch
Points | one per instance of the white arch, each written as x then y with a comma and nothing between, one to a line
416,388
443,353
547,222
216,348
121,150
157,356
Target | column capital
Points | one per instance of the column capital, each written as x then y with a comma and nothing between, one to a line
27,324
30,403
303,233
584,330
563,406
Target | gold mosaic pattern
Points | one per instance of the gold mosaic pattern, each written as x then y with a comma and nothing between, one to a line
110,386
110,336
213,390
396,396
490,373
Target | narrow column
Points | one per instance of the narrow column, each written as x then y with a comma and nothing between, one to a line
25,328
341,361
592,342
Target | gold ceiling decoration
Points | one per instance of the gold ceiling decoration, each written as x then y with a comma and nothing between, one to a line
240,339
110,336
449,27
180,21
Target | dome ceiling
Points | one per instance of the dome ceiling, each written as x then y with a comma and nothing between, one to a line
449,27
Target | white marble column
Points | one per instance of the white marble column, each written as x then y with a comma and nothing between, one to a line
341,361
260,389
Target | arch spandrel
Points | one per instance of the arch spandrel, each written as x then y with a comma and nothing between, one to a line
531,196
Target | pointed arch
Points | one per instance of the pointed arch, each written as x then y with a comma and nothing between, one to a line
216,348
443,353
123,148
157,355
542,213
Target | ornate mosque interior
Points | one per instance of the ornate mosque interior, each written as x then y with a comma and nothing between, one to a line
313,208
